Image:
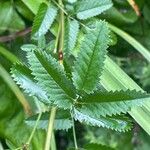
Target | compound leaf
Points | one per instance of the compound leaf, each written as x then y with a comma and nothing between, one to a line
51,77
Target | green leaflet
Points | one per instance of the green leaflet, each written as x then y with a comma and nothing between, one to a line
71,33
86,9
108,122
63,120
105,96
89,64
22,76
43,20
111,103
51,77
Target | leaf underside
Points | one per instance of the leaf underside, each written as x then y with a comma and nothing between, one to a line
23,77
86,9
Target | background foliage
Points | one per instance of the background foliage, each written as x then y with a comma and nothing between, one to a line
16,20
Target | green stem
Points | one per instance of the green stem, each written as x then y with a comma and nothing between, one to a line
57,39
50,128
34,129
74,134
61,42
53,144
6,77
10,56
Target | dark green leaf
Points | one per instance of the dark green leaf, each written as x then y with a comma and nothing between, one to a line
93,146
89,64
105,96
51,77
115,123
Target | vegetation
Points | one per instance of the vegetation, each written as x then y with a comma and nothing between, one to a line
62,74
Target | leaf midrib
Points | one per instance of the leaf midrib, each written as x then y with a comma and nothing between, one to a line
89,65
81,11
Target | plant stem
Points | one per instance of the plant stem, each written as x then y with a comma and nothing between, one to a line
50,128
10,56
74,134
34,129
62,31
53,142
61,44
7,78
59,37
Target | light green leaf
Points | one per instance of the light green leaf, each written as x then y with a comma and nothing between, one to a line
22,75
62,120
33,5
140,48
10,20
43,20
24,10
89,64
86,9
108,122
6,13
